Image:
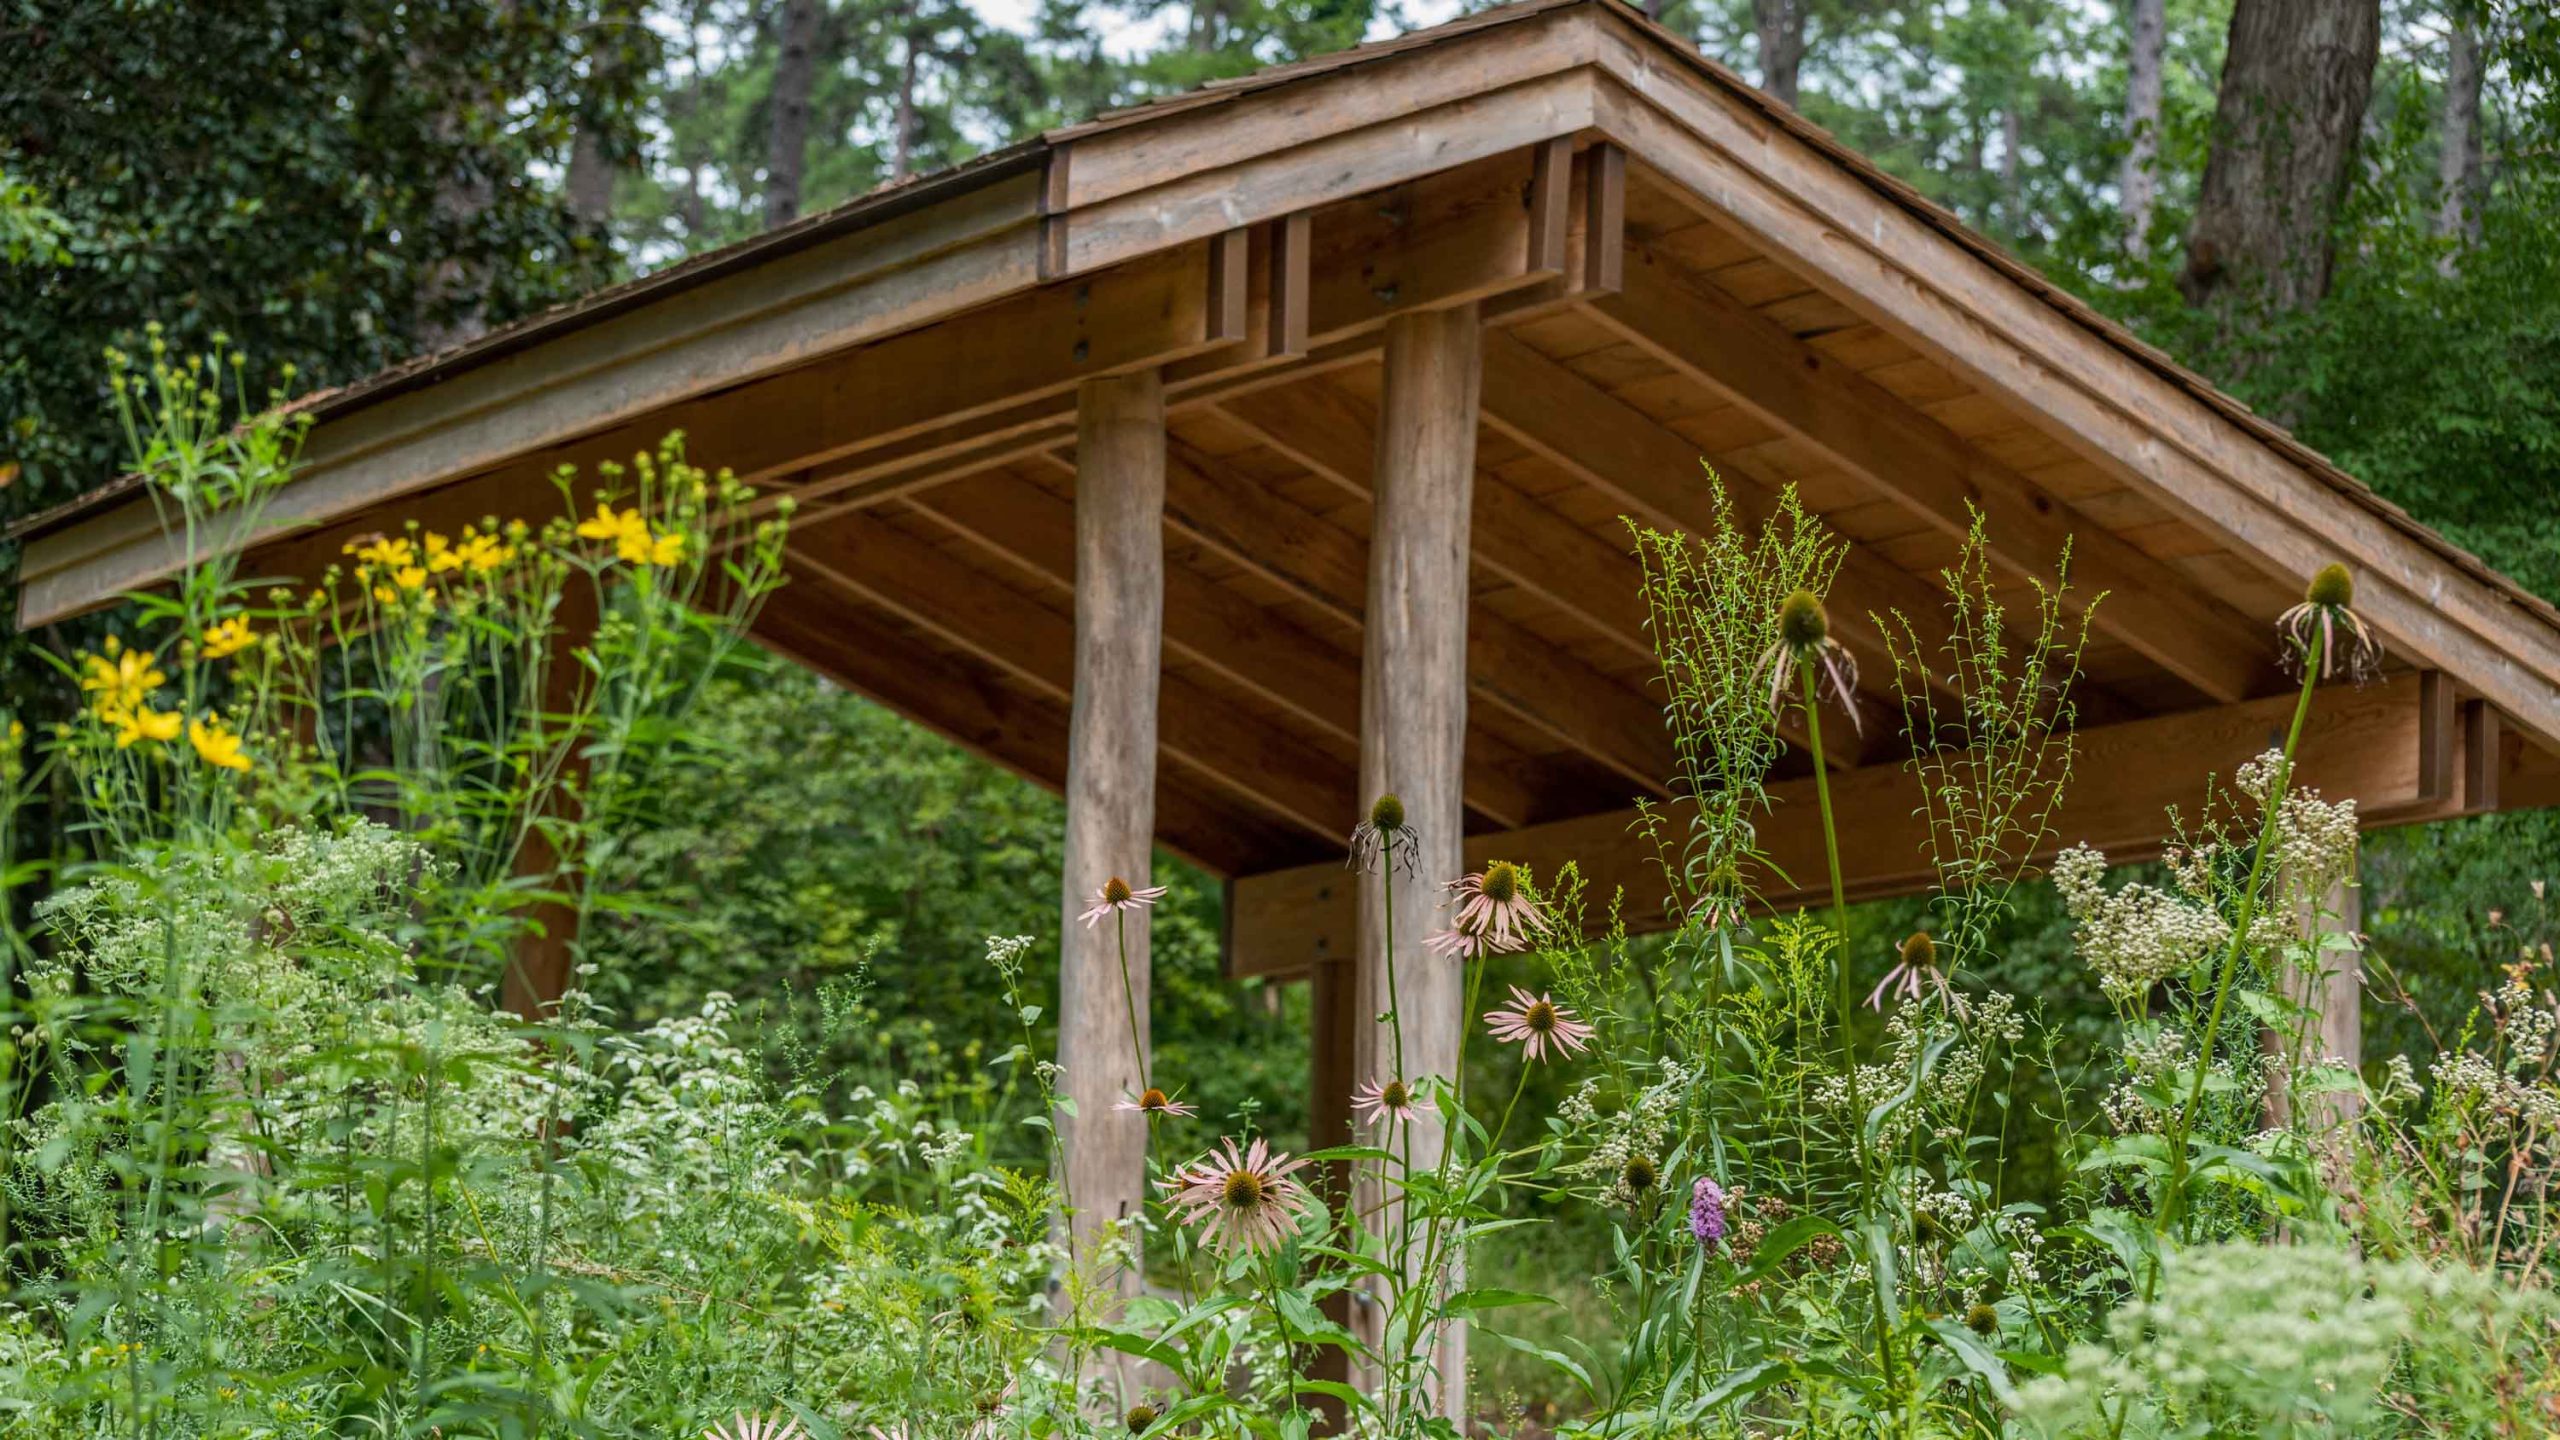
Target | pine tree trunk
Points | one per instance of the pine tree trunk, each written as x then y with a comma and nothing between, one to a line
2294,86
2458,166
1781,27
2139,184
795,72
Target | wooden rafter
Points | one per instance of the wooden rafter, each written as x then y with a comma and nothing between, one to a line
1543,687
1205,623
965,703
1906,455
868,561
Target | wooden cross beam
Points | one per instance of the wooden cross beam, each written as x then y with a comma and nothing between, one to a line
2394,747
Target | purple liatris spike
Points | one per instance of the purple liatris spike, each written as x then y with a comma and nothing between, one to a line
1706,1211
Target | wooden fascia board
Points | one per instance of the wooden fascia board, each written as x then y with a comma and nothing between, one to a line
2108,407
1298,174
1244,137
974,248
2372,745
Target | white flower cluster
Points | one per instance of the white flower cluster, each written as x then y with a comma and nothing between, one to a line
2138,936
1642,1130
2244,1339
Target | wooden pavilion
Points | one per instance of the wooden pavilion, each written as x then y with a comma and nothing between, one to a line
1227,461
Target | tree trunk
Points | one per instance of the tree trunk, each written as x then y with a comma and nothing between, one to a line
795,72
2458,166
1781,27
2294,87
590,177
902,155
2139,184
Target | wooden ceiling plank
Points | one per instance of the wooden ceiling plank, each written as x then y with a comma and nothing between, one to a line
863,557
1906,454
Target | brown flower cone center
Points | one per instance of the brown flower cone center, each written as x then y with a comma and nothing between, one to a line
1115,891
1244,1190
1154,1100
1540,1017
1395,1096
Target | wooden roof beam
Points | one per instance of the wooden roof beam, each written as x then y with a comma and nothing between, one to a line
2380,745
1003,726
1576,706
2020,340
1280,773
1653,472
1908,456
1204,622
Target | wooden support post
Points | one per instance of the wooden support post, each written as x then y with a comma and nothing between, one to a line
2330,984
1111,782
539,972
1413,706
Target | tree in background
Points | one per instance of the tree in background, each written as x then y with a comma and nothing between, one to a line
334,185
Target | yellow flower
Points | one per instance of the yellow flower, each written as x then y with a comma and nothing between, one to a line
409,577
216,745
607,525
383,552
482,553
230,637
119,679
140,725
441,555
667,549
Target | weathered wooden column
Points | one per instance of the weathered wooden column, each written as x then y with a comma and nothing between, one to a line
1413,705
2331,985
538,974
1111,795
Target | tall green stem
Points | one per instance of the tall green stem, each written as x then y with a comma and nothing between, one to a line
2172,1206
1129,999
1839,906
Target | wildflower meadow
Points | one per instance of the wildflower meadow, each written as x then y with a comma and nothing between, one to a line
279,1159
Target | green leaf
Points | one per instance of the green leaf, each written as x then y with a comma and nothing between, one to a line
1978,1358
1467,1302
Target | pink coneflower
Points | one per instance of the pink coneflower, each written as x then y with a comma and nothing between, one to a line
1804,636
2326,615
1917,974
1385,840
1463,942
1243,1197
745,1426
1115,894
1494,903
1391,1103
1152,1101
1536,1022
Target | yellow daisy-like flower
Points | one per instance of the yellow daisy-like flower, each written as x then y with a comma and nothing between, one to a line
216,745
482,553
607,524
119,679
229,637
441,556
667,549
141,725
